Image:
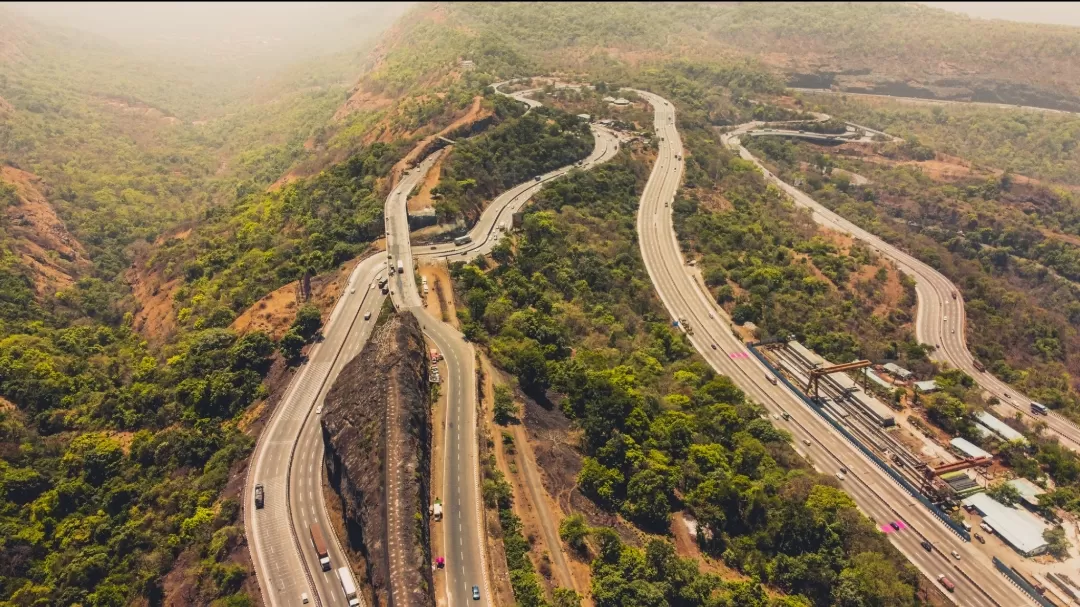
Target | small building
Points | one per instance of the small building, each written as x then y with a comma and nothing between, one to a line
1018,528
926,387
897,371
968,448
468,65
999,427
877,380
585,117
1029,491
961,483
620,102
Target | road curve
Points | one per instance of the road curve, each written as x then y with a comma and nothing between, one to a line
940,317
881,498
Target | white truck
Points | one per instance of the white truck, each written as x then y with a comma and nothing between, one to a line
436,510
348,586
400,267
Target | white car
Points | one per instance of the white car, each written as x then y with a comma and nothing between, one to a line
367,315
352,290
840,476
956,555
806,442
318,410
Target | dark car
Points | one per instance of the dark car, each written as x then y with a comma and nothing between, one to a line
476,593
895,525
981,539
927,545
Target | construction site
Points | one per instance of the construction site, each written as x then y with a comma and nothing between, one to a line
940,474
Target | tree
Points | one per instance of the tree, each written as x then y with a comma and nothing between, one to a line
505,409
1004,493
1057,544
566,597
308,322
291,346
870,579
573,530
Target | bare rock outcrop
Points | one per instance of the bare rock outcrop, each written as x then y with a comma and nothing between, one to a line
377,432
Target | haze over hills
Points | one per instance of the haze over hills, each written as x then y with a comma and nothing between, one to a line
188,190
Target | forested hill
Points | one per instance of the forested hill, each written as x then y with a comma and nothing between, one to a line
893,48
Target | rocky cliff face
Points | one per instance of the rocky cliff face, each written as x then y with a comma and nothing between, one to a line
377,432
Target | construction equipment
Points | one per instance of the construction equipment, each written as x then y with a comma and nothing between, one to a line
817,374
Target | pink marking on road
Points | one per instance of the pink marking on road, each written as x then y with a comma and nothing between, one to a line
735,355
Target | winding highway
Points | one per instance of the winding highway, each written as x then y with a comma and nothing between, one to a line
881,498
288,455
940,315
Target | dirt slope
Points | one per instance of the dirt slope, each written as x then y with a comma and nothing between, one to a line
376,428
38,236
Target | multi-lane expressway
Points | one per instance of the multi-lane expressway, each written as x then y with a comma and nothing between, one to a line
940,316
977,583
287,459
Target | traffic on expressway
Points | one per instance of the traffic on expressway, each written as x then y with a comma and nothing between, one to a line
287,460
940,312
881,498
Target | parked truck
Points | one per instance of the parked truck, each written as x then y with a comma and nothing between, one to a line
319,543
348,586
436,510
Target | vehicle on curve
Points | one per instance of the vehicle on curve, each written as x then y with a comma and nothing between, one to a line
259,496
1039,408
348,586
978,366
947,583
954,294
304,598
319,542
462,240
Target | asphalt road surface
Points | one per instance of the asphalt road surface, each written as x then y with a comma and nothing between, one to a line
881,498
940,316
289,452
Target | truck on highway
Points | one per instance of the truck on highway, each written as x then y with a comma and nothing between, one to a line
978,365
319,543
462,240
400,267
348,586
258,496
947,583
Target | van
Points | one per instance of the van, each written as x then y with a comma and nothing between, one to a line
772,379
966,526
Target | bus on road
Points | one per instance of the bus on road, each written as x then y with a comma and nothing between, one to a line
1038,408
462,240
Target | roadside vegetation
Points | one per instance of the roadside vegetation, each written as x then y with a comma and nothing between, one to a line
569,311
1005,244
1040,145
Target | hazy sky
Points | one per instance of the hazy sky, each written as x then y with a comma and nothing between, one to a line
1060,13
223,28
